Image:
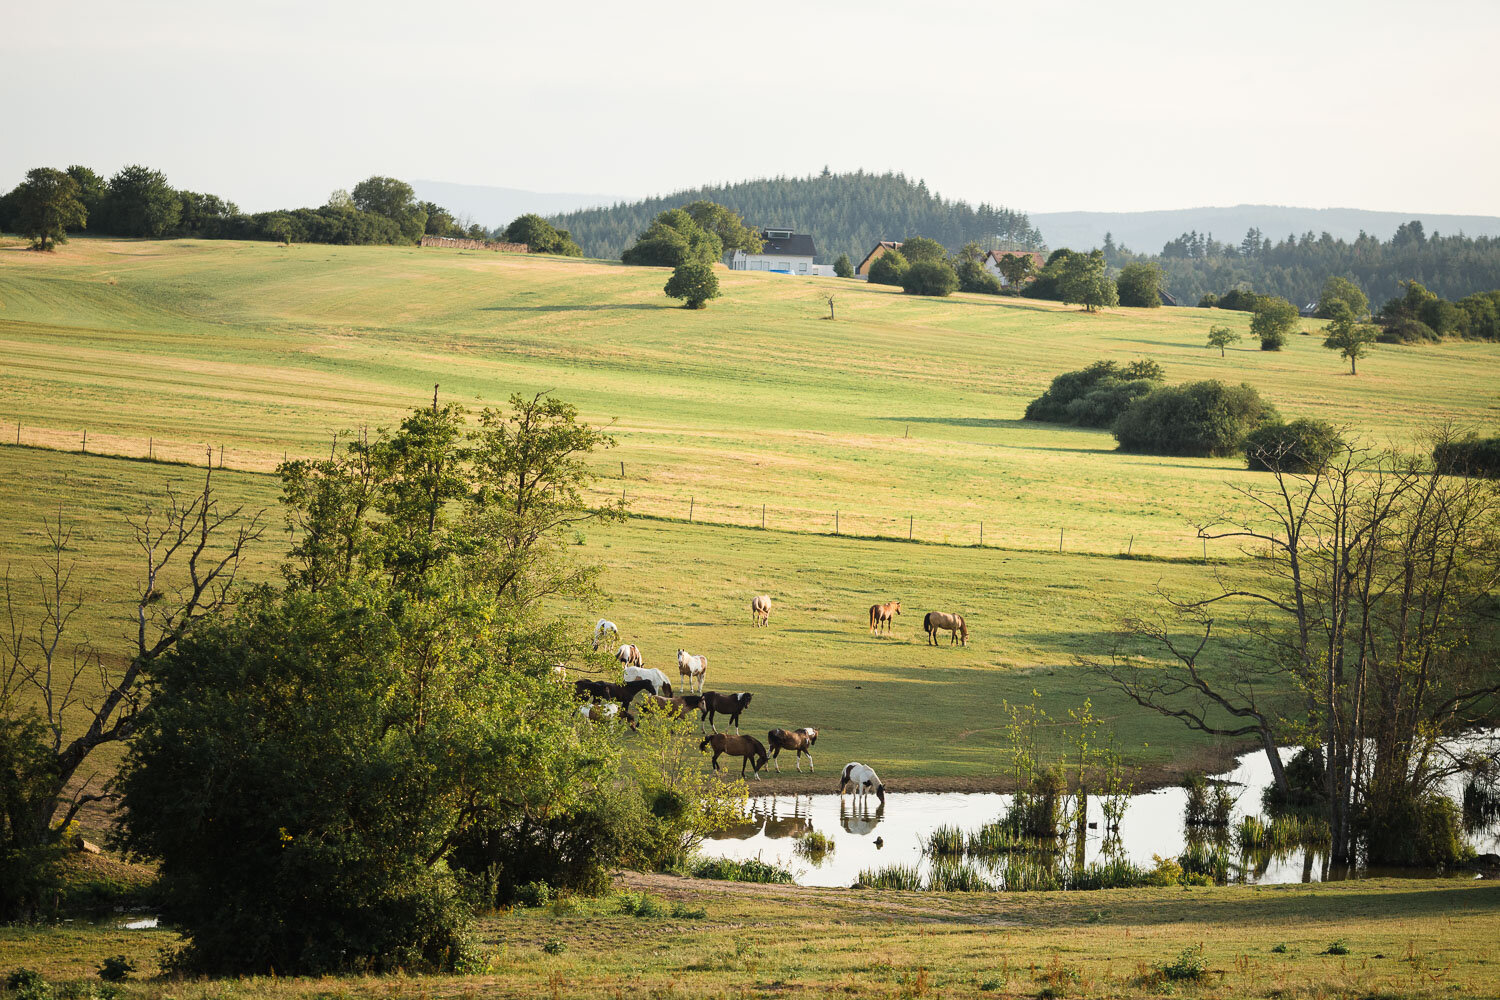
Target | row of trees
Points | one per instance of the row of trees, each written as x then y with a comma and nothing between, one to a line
137,201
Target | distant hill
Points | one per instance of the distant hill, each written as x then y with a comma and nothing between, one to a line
1146,232
493,207
844,213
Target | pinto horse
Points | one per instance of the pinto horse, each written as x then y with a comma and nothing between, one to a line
862,780
629,655
694,668
882,617
747,747
800,741
604,629
937,621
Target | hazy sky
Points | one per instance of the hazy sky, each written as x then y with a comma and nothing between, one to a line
1041,106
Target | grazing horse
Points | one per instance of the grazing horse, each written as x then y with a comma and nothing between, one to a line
623,693
760,610
659,682
604,629
748,747
630,655
862,780
694,668
799,740
587,690
882,617
674,707
938,620
730,705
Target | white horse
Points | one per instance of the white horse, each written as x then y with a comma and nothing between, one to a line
630,655
694,668
760,610
659,682
862,780
604,629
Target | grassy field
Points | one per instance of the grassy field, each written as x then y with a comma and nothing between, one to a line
1399,939
901,408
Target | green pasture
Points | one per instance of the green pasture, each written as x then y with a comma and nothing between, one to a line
901,408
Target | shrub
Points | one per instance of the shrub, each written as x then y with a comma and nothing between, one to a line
694,282
116,969
814,846
1336,948
641,904
1239,300
749,870
1188,967
1298,447
929,277
27,984
842,267
533,894
1407,331
1094,396
674,239
1206,418
1140,285
1470,455
554,947
1422,832
887,269
1208,301
972,277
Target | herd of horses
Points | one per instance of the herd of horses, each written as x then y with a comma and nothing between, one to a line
605,700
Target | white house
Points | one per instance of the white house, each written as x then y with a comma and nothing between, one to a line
992,262
784,252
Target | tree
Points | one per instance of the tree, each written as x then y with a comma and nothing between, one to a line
1273,321
540,236
1300,446
395,200
694,282
1348,336
1221,337
1206,418
731,230
972,277
439,220
46,205
341,199
842,267
1140,284
92,190
1339,291
920,248
887,269
142,203
1083,281
829,298
673,239
929,277
1016,268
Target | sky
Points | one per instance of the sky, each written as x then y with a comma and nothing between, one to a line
1047,106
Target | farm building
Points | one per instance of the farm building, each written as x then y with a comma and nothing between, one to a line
863,270
992,261
784,252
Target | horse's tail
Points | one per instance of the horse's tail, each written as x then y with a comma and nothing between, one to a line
927,622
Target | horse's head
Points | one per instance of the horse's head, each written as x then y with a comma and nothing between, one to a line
743,698
812,737
880,793
896,609
703,747
666,689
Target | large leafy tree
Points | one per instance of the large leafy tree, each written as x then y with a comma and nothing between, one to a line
1339,292
1140,285
1347,335
46,205
673,239
731,230
920,248
1017,268
929,277
395,200
540,236
142,203
694,282
1273,321
1083,281
92,189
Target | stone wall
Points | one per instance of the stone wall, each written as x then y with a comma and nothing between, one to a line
454,243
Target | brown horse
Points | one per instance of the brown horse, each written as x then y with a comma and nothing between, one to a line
730,705
799,740
760,610
937,621
748,747
882,617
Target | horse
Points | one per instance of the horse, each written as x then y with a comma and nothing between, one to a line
623,693
799,740
862,780
675,707
729,704
607,713
587,690
630,655
747,747
760,610
938,620
882,616
604,629
694,668
659,682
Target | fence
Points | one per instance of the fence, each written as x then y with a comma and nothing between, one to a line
1002,531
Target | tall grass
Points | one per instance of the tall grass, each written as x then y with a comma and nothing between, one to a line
892,877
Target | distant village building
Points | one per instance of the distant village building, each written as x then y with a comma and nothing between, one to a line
992,261
881,248
783,252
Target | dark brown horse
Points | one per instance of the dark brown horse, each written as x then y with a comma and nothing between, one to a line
730,705
799,740
747,747
622,693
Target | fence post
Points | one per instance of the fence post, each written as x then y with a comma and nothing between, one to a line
1059,539
1205,550
622,470
835,522
690,509
1130,545
221,456
150,448
908,527
981,534
762,517
85,442
18,432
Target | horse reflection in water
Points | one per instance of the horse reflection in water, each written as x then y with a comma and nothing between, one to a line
858,818
783,820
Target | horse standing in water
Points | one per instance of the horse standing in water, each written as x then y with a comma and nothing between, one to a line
862,780
937,621
882,617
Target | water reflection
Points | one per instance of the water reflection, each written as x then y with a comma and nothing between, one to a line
859,819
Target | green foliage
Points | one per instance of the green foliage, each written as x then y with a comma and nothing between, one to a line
28,984
92,190
1240,300
1470,455
1221,337
694,282
1273,321
900,877
1188,967
540,236
1299,446
731,230
1208,301
917,249
533,894
814,846
1407,331
1017,268
1338,947
554,947
1094,396
748,870
929,277
1082,280
674,239
1419,315
1420,832
887,269
842,267
1140,284
1348,336
45,206
1341,292
1206,418
142,203
972,277
116,969
28,862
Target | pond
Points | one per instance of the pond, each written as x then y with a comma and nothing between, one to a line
879,836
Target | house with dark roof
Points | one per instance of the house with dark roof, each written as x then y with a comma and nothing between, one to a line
783,252
881,249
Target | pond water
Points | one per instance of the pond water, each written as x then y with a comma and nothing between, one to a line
876,836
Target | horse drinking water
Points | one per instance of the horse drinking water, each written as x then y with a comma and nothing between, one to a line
862,780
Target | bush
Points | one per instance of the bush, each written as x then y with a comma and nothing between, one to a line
1140,285
694,282
1208,301
1407,331
929,277
116,969
1425,832
674,239
887,269
1470,455
972,277
1206,419
1239,300
533,894
27,984
1096,395
842,267
1188,967
1300,446
749,870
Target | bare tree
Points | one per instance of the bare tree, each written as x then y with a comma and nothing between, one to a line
829,297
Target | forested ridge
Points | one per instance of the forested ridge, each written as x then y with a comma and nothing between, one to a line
845,213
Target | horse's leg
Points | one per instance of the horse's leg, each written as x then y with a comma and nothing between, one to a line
776,759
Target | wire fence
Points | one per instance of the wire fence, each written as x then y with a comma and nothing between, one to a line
1003,531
